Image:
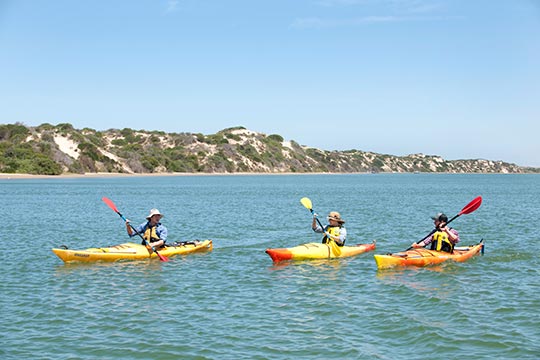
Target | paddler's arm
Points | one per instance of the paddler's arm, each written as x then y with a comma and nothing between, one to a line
314,226
453,235
162,232
129,228
422,243
340,240
157,244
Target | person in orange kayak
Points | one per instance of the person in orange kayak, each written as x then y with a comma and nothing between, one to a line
443,239
152,230
334,231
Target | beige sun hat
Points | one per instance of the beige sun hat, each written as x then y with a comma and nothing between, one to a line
154,212
334,215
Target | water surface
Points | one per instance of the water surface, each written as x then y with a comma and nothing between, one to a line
234,303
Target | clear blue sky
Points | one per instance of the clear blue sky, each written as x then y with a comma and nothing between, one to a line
455,78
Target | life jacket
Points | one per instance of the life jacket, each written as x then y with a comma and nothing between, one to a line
334,231
150,234
441,242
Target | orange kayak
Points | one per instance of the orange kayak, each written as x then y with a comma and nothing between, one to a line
313,251
425,257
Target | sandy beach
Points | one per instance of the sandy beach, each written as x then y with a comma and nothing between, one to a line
108,175
96,175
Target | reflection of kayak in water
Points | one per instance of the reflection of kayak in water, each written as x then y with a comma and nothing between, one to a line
312,251
425,257
131,251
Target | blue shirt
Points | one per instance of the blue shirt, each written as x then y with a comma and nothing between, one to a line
161,230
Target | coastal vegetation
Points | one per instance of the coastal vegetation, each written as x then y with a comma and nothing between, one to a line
61,149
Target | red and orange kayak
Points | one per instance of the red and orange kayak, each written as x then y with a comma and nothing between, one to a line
313,251
424,257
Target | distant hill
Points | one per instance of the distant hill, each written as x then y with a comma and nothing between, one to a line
60,149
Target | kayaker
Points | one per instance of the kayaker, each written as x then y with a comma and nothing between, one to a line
443,239
334,231
152,230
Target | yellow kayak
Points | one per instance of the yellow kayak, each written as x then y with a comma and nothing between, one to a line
318,251
131,251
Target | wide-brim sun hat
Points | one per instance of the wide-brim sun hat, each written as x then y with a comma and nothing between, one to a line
334,215
154,212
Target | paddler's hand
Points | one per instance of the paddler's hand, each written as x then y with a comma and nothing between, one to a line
128,228
442,227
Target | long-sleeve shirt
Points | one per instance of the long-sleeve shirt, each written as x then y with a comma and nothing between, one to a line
161,230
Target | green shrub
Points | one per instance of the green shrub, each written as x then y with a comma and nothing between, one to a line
216,139
23,159
275,137
233,137
45,127
119,142
65,128
14,133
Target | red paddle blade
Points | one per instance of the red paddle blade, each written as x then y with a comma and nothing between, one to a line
472,206
162,257
150,251
109,203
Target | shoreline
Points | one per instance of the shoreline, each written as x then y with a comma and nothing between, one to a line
4,176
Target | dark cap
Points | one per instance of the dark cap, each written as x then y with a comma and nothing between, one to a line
440,217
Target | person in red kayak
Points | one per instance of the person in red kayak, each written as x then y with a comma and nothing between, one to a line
443,239
334,231
152,230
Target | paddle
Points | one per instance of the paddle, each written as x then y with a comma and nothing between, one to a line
148,247
469,208
308,205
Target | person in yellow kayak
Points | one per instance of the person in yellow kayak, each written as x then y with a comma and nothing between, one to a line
334,231
443,239
152,230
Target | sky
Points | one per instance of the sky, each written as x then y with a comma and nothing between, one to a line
454,78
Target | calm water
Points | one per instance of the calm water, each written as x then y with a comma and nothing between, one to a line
233,303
